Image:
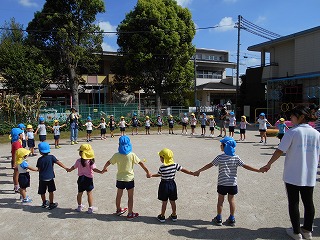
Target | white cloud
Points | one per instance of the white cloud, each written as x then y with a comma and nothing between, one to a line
184,3
230,1
28,3
108,27
260,20
107,47
225,24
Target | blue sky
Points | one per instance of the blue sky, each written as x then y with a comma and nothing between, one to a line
283,17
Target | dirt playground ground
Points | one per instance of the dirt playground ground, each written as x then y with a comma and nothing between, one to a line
262,211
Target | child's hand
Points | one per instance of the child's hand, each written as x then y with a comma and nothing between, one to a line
264,169
68,169
149,175
104,170
196,173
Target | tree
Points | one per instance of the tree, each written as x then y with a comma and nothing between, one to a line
65,29
155,42
23,67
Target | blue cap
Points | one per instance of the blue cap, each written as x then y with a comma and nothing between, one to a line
89,118
262,114
204,114
21,125
44,147
185,114
41,119
231,113
15,134
134,114
230,145
125,146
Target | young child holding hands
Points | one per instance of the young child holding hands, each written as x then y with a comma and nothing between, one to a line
167,187
86,166
228,163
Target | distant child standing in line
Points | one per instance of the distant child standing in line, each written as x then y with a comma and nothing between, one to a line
203,121
24,176
42,129
282,128
89,125
125,160
30,140
16,140
122,125
228,163
167,187
134,123
263,127
232,124
171,124
46,175
147,124
159,124
193,123
24,139
212,124
56,132
103,128
86,166
243,126
185,123
112,125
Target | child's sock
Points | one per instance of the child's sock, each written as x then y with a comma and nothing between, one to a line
231,217
219,216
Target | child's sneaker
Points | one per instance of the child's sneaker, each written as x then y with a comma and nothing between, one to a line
161,218
231,222
90,210
305,233
52,206
45,204
293,235
72,142
261,141
80,208
56,147
174,218
27,200
217,221
16,190
121,211
131,216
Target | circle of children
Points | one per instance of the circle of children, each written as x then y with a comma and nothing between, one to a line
125,160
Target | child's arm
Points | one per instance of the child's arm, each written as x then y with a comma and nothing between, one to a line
33,169
63,125
269,123
206,167
50,127
70,169
277,153
251,168
98,171
145,169
61,164
155,175
105,168
187,171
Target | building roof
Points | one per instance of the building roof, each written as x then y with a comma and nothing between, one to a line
221,87
266,45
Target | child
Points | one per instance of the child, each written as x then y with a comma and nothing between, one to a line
42,129
86,166
222,120
159,124
89,125
24,176
184,122
282,128
30,140
212,124
263,127
46,175
228,163
167,187
147,125
125,160
112,125
134,123
171,124
56,132
193,123
122,125
16,140
243,126
232,123
103,128
203,121
24,141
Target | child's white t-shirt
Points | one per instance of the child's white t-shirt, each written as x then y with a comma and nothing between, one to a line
122,124
211,123
232,121
193,121
262,123
89,125
42,129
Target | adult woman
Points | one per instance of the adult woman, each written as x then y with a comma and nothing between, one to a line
74,122
301,144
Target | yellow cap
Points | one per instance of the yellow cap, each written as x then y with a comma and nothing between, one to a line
170,116
29,126
147,117
192,114
122,117
56,121
211,116
86,151
281,120
244,117
20,154
167,155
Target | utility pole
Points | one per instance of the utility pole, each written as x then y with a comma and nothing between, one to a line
195,80
238,63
